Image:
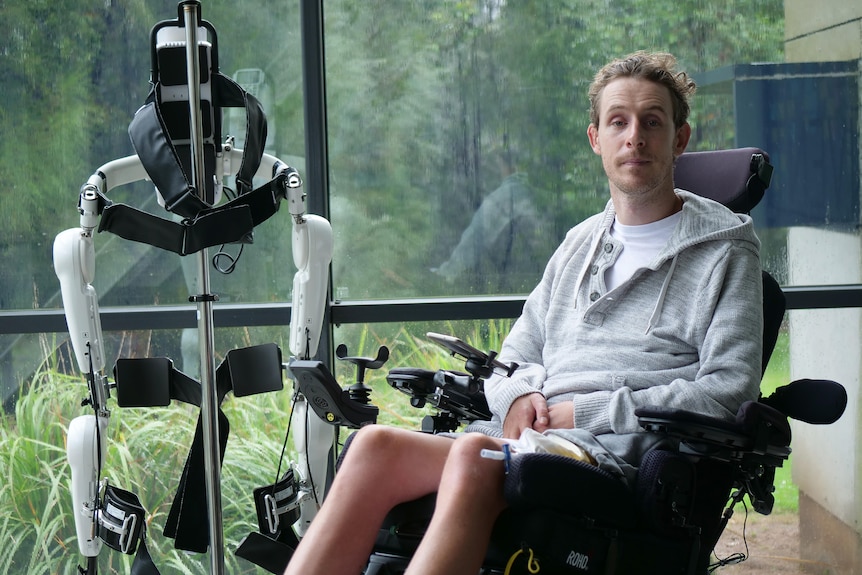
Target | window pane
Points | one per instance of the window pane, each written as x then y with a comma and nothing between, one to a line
459,157
73,81
409,346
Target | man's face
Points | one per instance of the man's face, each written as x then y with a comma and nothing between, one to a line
636,137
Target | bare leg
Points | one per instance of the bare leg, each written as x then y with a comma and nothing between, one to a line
469,500
384,466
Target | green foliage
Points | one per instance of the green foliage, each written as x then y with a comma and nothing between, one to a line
778,374
422,98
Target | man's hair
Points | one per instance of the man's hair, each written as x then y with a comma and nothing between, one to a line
658,67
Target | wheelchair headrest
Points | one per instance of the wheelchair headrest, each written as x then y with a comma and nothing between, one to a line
736,178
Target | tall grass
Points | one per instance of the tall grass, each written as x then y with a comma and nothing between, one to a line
146,452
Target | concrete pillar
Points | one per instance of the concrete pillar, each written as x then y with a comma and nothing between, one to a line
825,344
827,460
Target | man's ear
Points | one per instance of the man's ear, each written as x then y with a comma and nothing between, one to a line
593,135
683,135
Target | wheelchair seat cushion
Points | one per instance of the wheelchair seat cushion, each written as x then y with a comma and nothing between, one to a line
555,482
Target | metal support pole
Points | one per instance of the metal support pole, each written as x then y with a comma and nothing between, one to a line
209,396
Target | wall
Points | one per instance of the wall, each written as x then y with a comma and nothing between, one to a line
827,460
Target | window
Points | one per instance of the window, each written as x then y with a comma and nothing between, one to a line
456,160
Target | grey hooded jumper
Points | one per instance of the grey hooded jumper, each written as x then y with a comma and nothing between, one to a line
685,331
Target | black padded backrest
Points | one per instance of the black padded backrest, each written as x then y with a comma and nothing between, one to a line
736,178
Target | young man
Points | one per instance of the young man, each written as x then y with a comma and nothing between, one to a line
655,301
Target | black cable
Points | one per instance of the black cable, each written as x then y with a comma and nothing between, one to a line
221,254
734,558
232,260
286,434
97,504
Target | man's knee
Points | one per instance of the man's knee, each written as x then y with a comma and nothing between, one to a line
379,441
471,476
466,456
475,442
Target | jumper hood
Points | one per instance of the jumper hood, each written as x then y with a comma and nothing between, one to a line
700,223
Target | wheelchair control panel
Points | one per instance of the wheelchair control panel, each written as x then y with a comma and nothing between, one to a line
458,397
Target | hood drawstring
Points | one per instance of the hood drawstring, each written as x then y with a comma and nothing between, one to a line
659,305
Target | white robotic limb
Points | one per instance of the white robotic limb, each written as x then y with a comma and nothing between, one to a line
313,438
74,263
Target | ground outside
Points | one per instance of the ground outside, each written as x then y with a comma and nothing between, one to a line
773,546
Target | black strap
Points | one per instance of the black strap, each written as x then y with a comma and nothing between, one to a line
123,527
231,222
244,371
152,142
266,552
230,94
273,546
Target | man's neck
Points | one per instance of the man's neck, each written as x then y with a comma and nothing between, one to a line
637,210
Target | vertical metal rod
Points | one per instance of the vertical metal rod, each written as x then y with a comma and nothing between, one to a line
209,395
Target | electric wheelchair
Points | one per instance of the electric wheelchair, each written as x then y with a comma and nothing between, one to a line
670,521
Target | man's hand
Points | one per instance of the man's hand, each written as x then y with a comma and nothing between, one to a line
561,416
527,411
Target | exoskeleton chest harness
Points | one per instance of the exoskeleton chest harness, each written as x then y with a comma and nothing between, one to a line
203,224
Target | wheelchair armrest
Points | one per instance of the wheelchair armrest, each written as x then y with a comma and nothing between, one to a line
331,403
759,433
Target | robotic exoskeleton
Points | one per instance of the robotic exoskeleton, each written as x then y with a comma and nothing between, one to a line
177,133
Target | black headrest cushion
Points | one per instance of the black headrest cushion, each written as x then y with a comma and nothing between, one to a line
736,178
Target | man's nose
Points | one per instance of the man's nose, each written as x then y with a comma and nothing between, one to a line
634,136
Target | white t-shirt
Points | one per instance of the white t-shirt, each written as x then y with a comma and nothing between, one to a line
641,244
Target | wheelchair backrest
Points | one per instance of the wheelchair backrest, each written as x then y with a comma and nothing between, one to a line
738,179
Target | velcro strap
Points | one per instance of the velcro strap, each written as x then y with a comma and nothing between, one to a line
121,520
231,222
219,226
276,505
155,381
122,526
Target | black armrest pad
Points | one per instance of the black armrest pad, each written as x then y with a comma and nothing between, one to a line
739,434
